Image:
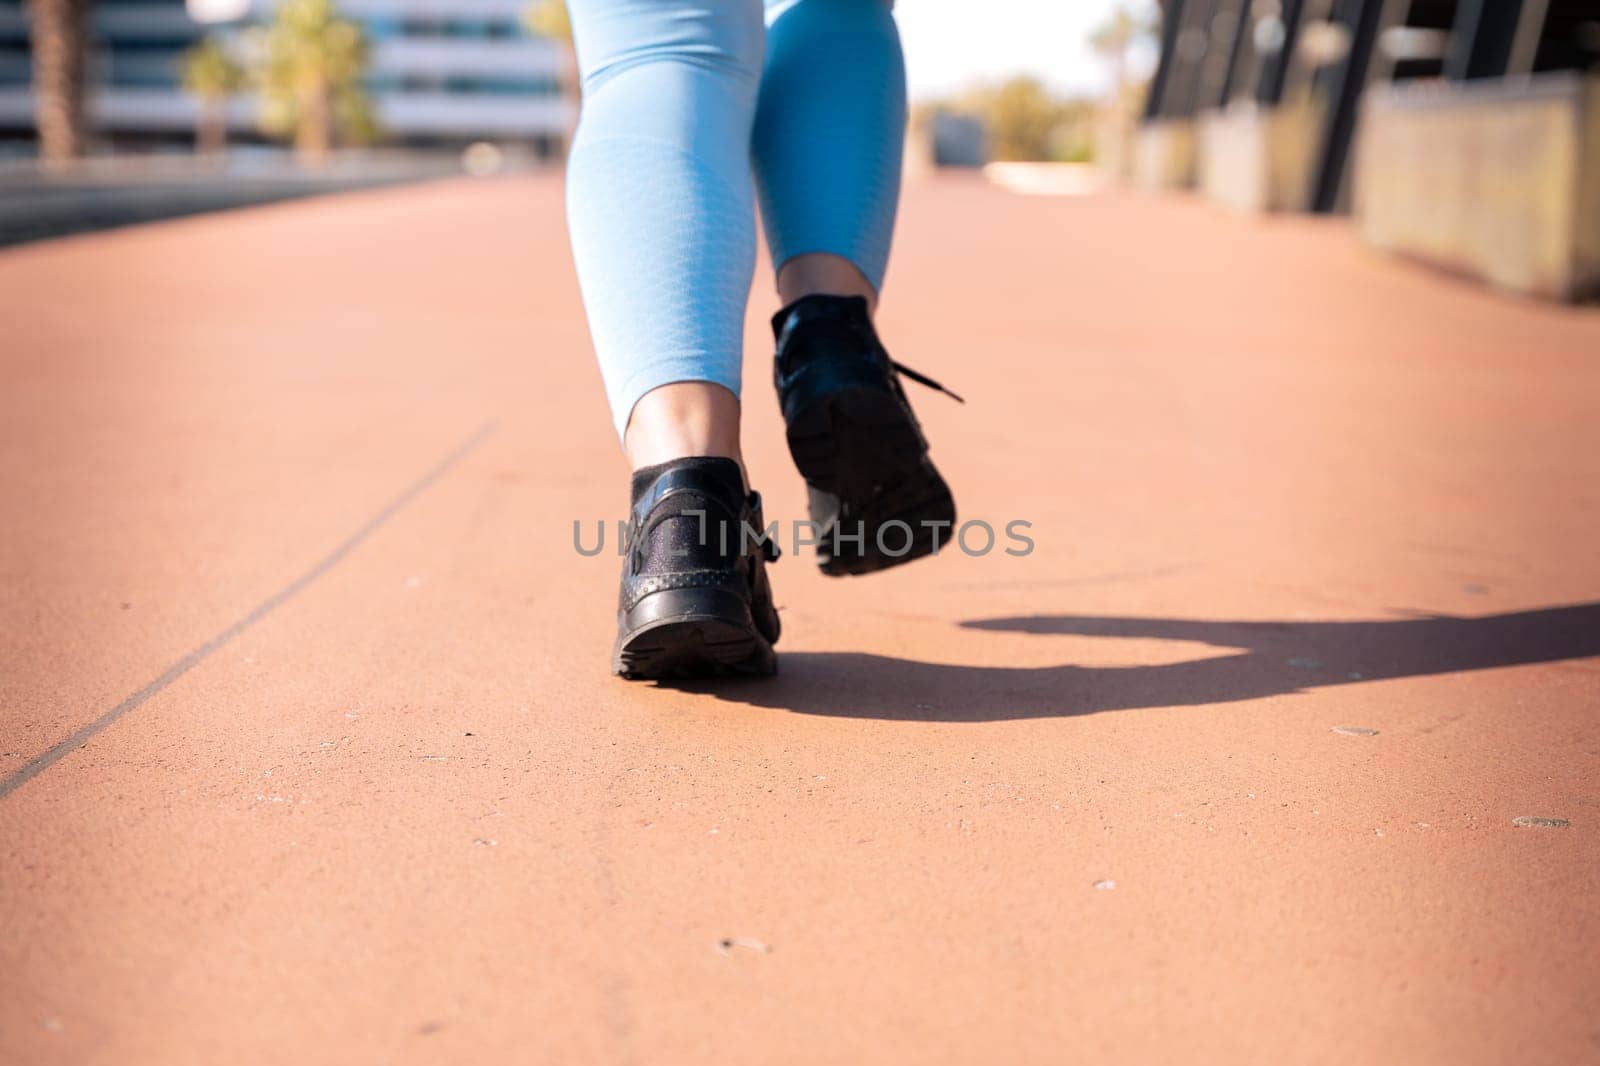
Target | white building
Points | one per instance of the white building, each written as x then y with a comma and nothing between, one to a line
442,70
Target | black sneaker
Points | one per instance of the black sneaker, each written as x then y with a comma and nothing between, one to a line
876,499
695,601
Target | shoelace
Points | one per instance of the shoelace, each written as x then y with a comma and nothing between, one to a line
923,379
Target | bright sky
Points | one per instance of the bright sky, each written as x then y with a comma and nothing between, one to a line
953,44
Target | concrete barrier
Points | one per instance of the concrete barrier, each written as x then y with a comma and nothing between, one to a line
1116,133
1163,154
1256,159
1495,179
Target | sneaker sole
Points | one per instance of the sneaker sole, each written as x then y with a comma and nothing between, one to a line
683,634
865,461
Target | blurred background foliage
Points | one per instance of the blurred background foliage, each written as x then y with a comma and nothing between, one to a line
548,18
1025,121
212,75
309,63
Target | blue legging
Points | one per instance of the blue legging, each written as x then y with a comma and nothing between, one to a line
677,106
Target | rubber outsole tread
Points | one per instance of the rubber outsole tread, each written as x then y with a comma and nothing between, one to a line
692,648
865,462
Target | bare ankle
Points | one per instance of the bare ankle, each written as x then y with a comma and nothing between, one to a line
686,418
821,274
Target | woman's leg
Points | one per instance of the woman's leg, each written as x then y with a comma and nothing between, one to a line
827,145
660,209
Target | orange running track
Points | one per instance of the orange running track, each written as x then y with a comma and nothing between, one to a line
311,755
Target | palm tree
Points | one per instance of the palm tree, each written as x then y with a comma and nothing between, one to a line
60,30
211,75
549,19
1114,37
1023,119
312,62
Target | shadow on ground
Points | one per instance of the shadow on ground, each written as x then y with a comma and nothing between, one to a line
1274,658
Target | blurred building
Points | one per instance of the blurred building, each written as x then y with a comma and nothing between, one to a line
443,71
1461,132
1297,70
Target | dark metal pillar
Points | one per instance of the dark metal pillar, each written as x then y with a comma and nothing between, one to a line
1344,82
1237,46
1194,42
1275,66
1480,39
1171,24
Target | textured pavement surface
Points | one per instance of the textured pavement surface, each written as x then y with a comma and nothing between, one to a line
310,754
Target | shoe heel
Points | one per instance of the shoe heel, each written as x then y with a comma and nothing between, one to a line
690,632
